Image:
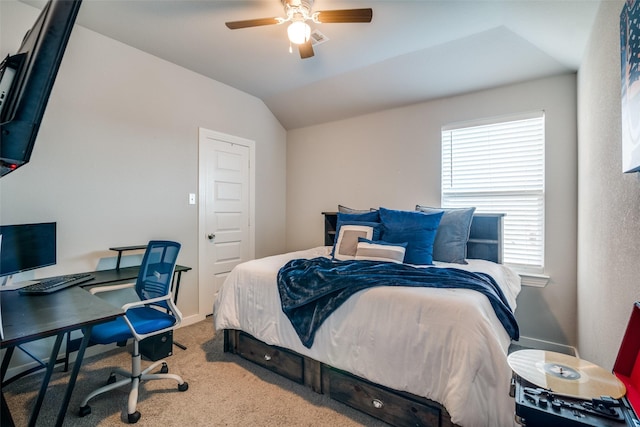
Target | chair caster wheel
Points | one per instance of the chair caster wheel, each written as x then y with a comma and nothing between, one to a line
164,369
183,387
84,410
133,418
112,379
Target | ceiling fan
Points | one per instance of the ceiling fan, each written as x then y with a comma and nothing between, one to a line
298,12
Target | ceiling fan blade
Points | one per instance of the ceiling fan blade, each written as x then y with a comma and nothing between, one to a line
306,50
346,15
234,25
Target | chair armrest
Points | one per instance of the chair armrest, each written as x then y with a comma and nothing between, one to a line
174,309
109,288
144,302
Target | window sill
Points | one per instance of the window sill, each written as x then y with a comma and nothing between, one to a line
534,280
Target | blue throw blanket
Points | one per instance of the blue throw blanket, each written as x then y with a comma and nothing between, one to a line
311,289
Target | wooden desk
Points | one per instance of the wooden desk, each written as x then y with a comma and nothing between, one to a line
30,318
100,278
115,277
103,278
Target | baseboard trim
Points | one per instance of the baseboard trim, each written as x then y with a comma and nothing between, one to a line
190,320
539,344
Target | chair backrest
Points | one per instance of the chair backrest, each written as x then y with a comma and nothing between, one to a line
156,270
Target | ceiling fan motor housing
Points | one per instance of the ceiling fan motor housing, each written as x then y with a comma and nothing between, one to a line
298,7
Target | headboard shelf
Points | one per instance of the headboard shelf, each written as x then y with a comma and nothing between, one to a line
485,238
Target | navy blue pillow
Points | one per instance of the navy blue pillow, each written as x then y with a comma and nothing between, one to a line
371,216
416,228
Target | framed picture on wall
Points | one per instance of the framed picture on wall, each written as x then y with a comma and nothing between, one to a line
630,73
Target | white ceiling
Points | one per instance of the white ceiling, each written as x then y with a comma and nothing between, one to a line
412,51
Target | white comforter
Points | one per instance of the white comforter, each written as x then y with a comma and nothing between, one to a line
444,344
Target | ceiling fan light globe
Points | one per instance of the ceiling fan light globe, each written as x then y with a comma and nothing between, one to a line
299,32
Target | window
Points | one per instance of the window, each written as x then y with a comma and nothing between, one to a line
498,167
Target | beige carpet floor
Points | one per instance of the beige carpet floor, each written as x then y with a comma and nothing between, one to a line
224,390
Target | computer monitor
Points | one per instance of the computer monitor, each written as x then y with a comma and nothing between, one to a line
26,247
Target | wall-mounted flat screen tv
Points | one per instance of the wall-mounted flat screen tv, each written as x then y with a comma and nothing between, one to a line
26,80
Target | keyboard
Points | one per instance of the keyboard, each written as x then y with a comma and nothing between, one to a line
55,284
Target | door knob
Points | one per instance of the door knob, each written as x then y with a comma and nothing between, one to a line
211,236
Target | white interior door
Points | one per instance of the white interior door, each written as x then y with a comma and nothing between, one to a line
226,210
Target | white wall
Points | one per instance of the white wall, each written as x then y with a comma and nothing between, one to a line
609,201
392,159
117,153
112,105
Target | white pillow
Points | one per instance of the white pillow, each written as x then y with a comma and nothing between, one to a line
347,241
373,251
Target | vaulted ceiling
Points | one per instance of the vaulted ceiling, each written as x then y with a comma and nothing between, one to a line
412,51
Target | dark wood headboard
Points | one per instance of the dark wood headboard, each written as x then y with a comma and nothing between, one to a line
485,238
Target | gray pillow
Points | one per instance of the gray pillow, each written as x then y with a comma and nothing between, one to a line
344,209
450,244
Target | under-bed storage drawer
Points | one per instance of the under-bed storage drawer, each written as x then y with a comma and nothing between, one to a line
378,402
273,358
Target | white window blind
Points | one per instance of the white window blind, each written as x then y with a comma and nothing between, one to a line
498,167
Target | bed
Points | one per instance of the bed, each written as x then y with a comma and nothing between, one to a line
407,355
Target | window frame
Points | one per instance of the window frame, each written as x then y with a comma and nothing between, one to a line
534,271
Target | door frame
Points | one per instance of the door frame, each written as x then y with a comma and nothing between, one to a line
204,135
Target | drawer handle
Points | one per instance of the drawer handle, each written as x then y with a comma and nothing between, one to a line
267,357
377,403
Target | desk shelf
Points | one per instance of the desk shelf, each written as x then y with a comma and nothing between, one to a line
121,249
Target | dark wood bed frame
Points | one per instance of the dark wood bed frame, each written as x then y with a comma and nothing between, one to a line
392,406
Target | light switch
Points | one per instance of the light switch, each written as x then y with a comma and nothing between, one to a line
192,198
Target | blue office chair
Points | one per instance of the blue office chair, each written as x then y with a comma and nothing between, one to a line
155,313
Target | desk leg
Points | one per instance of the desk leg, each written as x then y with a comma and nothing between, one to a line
5,363
74,375
177,278
176,285
45,382
5,414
